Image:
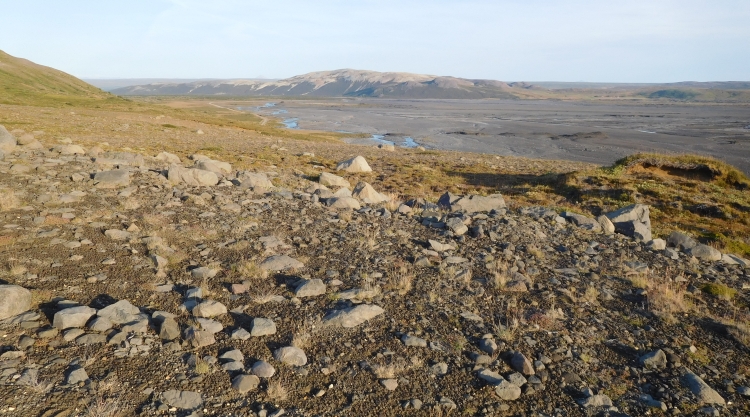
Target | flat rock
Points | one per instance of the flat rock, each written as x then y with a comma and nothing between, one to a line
209,308
680,241
280,263
76,375
507,391
696,385
472,203
191,176
72,317
704,252
203,272
199,338
7,141
331,180
586,223
354,316
14,300
245,383
184,400
120,312
254,180
169,158
414,341
169,329
654,360
116,234
262,327
310,288
112,179
343,203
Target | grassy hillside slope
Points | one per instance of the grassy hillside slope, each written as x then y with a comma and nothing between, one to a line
26,83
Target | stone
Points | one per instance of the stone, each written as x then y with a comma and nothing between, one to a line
491,377
91,339
704,252
730,259
439,369
263,369
191,177
72,317
233,355
100,324
582,221
216,167
169,158
439,246
76,375
29,378
199,338
364,192
343,203
331,180
310,288
654,360
116,234
262,327
680,241
14,300
521,364
387,147
184,400
290,355
413,341
457,226
69,150
354,316
507,391
211,326
7,141
657,244
121,312
169,329
633,221
203,272
209,308
254,180
245,383
517,379
599,400
356,164
240,334
389,384
472,203
280,263
696,385
112,179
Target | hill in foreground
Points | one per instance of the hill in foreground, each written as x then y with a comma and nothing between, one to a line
26,83
286,284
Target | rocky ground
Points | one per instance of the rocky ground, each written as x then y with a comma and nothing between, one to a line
157,285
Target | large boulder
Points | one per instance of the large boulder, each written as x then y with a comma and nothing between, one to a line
249,179
704,252
112,179
343,203
14,300
356,164
582,221
471,203
7,141
632,221
69,150
169,158
704,393
192,177
330,180
680,241
72,317
367,194
121,312
218,167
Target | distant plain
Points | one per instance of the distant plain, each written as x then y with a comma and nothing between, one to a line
597,132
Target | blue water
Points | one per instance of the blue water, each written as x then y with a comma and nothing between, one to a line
282,111
407,143
269,105
291,123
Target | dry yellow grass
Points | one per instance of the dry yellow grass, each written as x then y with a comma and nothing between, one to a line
276,391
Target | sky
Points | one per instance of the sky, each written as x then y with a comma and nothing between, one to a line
509,40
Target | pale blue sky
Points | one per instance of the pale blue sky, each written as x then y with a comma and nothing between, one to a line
512,40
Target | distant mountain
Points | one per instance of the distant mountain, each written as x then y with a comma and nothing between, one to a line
24,82
339,83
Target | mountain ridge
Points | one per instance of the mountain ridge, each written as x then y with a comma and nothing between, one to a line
342,82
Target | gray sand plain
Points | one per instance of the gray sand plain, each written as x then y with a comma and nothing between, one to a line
586,131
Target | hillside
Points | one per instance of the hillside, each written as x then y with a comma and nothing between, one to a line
339,83
26,83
